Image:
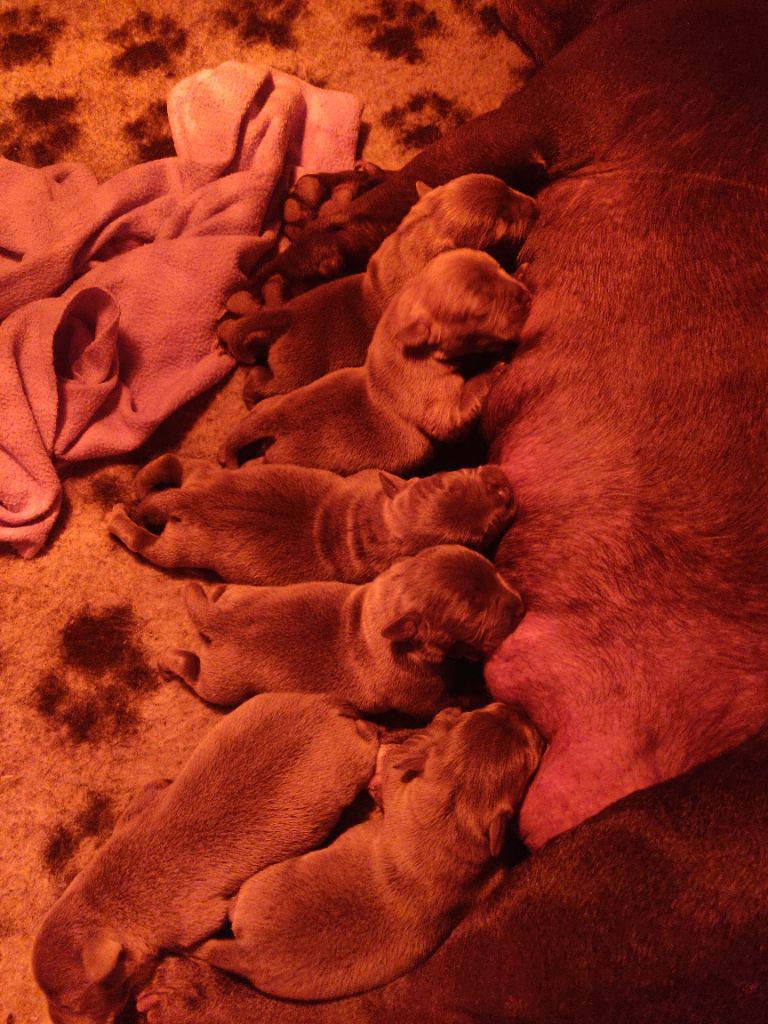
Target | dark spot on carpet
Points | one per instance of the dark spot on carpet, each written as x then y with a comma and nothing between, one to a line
424,118
97,818
263,21
96,641
150,133
97,692
481,14
81,719
27,36
43,130
107,490
396,29
49,693
489,20
147,43
59,849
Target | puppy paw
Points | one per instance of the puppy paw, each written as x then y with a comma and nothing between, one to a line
327,197
175,664
248,335
178,991
247,442
163,472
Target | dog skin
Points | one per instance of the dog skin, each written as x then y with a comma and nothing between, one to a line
268,782
331,327
633,422
382,897
412,392
289,524
393,644
681,867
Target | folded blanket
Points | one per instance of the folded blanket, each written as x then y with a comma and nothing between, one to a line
109,292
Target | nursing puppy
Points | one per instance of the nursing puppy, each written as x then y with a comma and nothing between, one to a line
416,388
651,912
381,898
393,644
634,425
331,327
268,782
288,524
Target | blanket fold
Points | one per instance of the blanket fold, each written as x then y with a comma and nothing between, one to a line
109,292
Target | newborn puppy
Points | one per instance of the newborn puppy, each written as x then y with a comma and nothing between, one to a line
393,644
268,782
331,327
287,524
420,384
378,901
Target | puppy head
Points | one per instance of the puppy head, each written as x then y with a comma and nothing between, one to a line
466,506
474,210
85,970
445,602
477,764
462,303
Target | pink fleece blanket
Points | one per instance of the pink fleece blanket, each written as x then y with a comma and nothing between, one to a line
109,292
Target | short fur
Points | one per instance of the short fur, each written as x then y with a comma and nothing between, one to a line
288,524
634,424
412,392
331,327
381,899
268,782
393,644
652,912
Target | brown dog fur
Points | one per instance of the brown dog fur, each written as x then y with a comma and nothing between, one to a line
651,912
634,424
412,391
331,327
268,782
380,899
288,524
393,644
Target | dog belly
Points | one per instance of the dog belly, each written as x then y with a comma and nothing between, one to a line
639,468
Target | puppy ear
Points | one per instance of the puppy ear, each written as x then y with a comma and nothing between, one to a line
102,955
390,484
405,627
422,188
414,335
497,832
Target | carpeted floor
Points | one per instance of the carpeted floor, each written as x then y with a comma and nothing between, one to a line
86,720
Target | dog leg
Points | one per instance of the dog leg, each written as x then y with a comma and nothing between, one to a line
169,471
326,196
324,330
175,664
507,142
161,530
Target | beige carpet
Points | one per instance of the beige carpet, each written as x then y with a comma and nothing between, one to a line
85,718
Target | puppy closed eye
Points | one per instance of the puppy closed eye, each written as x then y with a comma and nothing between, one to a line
411,762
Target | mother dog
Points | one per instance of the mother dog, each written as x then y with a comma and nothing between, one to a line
633,424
